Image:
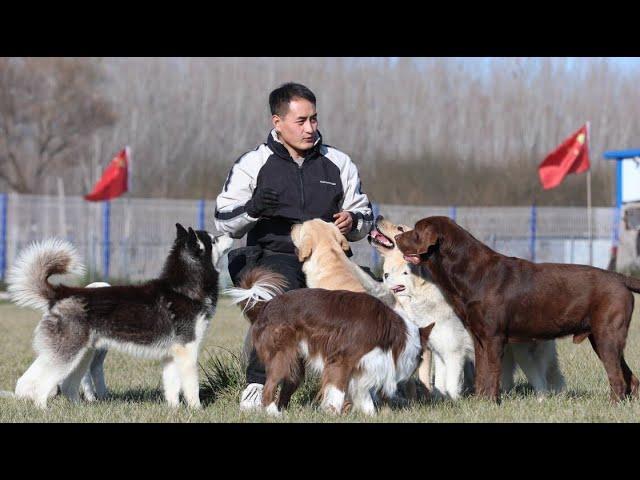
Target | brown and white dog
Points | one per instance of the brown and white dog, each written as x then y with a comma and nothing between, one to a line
321,248
422,299
355,341
504,299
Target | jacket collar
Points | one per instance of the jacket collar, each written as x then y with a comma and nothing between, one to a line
277,147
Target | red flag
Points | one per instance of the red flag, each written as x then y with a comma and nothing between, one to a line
570,157
113,182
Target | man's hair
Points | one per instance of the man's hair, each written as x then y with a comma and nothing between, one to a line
279,99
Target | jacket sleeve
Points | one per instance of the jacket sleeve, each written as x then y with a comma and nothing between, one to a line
356,202
230,215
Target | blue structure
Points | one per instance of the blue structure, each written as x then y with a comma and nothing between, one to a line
106,239
619,155
201,214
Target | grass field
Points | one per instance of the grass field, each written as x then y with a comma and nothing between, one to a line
136,393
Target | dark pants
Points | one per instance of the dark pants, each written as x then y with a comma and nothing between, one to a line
283,263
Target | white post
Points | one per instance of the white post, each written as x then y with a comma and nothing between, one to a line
62,218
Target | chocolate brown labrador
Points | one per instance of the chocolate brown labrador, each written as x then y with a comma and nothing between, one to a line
507,299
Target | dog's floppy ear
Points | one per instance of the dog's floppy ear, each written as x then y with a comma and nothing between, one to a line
344,243
426,234
302,242
424,334
304,248
181,233
418,276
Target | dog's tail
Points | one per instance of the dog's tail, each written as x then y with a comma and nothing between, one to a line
631,283
257,287
27,280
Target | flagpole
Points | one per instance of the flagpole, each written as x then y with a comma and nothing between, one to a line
589,200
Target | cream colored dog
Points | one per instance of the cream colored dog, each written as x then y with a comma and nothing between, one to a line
449,340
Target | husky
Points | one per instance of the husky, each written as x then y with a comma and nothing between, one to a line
165,318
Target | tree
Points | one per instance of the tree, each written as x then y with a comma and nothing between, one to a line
49,108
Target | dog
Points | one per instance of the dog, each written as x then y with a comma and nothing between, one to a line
419,296
321,248
355,341
507,299
93,385
165,318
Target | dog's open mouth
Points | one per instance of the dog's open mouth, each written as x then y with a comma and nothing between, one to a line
416,258
378,238
398,288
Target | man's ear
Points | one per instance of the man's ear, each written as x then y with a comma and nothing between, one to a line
275,121
304,248
181,233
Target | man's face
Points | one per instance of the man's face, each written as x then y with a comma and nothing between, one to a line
298,126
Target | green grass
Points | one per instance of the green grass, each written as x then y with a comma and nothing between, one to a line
136,393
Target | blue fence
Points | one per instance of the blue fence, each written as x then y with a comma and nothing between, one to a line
129,238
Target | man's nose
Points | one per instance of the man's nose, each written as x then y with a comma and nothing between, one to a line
308,127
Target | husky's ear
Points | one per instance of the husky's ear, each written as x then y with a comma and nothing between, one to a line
192,239
181,233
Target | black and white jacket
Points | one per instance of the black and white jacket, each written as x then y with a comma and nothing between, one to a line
325,184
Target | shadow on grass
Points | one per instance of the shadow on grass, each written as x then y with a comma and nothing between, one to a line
522,390
137,395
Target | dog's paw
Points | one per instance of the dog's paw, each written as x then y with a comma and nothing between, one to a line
273,411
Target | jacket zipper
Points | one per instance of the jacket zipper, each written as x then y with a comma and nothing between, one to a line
301,190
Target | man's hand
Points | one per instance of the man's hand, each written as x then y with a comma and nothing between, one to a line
263,199
343,221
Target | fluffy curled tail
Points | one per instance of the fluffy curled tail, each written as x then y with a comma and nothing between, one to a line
27,279
257,286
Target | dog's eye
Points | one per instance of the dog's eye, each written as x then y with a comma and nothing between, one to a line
401,229
406,273
386,275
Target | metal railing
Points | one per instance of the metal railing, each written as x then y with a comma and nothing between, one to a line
128,239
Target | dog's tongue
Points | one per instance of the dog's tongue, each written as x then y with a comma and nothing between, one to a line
379,237
414,258
397,288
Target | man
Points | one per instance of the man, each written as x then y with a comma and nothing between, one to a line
291,178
